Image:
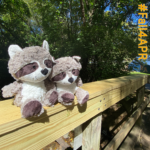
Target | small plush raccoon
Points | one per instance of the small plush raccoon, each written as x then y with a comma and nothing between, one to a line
66,76
30,67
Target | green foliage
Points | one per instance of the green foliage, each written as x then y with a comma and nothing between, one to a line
105,41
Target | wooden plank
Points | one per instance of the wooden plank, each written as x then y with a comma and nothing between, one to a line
122,92
117,140
62,143
56,122
77,137
92,134
95,89
132,138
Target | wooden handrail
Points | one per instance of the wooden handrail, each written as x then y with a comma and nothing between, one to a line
18,133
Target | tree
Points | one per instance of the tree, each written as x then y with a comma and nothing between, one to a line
105,40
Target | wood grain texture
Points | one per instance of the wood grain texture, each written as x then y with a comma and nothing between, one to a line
94,88
132,137
117,140
18,133
77,137
92,133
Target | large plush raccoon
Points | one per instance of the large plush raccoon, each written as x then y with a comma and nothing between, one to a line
30,67
66,76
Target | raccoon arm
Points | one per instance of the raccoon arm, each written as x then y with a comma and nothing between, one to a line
79,82
11,89
51,95
50,85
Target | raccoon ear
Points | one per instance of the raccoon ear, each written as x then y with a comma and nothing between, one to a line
53,60
45,45
13,49
77,58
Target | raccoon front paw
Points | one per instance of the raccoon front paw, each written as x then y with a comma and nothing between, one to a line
32,108
6,92
50,98
66,98
85,99
82,96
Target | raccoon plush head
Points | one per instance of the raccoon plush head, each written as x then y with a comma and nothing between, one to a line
66,71
31,64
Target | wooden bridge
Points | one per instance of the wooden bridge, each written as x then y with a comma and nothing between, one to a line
17,133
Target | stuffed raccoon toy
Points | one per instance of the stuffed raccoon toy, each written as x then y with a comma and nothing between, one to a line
30,67
66,76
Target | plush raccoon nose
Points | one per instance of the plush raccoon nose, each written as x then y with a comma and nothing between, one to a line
44,71
70,80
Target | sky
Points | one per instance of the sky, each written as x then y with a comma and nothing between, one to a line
134,16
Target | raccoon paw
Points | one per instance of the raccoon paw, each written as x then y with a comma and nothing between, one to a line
50,98
53,98
32,108
67,98
85,99
82,96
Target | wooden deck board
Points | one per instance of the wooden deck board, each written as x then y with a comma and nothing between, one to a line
19,133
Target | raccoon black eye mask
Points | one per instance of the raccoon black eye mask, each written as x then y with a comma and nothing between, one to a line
33,89
66,77
59,77
62,75
27,69
49,63
75,72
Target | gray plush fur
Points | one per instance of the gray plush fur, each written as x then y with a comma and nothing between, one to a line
22,58
26,86
65,89
64,64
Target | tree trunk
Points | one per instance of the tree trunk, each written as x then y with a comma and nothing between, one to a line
82,11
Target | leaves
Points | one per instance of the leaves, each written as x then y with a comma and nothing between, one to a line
103,39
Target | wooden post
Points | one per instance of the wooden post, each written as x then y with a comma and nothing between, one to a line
140,99
140,95
127,105
148,79
92,133
77,137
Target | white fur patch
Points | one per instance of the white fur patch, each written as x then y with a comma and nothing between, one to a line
65,80
65,85
35,91
77,58
45,45
70,88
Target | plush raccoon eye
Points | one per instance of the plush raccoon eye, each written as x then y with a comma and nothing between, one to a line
59,77
63,74
75,72
27,69
48,63
34,67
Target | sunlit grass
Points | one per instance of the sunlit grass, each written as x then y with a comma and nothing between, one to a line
138,73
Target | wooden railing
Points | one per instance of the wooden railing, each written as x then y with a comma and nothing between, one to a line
17,133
